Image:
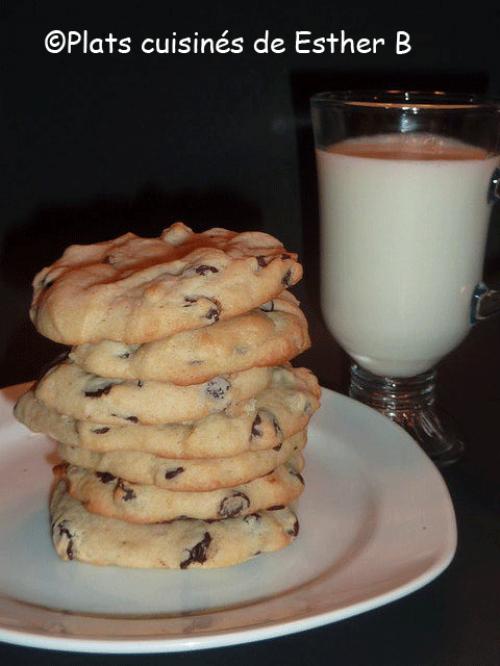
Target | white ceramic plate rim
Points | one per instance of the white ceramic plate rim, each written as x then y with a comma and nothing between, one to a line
26,636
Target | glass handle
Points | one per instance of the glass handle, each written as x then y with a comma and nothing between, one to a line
485,303
494,191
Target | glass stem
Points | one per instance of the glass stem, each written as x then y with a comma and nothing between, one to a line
410,402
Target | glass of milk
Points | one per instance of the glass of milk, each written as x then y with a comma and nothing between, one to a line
406,185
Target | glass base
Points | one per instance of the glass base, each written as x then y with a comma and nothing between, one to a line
410,402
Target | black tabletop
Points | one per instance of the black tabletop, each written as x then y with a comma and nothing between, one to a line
451,622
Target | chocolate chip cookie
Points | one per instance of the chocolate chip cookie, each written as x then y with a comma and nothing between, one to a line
258,424
267,336
70,390
185,474
108,495
136,290
181,544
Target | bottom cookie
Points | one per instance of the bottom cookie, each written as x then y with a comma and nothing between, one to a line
180,544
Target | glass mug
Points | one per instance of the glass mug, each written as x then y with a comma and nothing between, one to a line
406,184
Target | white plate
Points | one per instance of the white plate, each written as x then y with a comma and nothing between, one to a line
376,524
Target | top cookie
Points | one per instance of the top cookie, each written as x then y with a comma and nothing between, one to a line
137,290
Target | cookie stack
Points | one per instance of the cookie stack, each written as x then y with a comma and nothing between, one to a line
180,422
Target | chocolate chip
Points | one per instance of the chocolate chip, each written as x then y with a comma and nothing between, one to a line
276,507
204,269
257,552
217,388
96,393
140,383
196,361
64,531
128,492
100,431
105,477
189,301
171,473
293,472
261,261
251,517
276,427
124,355
284,257
133,419
286,278
233,505
198,553
295,529
256,431
108,259
278,446
213,314
267,307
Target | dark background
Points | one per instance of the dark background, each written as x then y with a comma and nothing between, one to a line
96,145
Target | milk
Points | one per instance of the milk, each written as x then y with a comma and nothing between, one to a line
404,224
